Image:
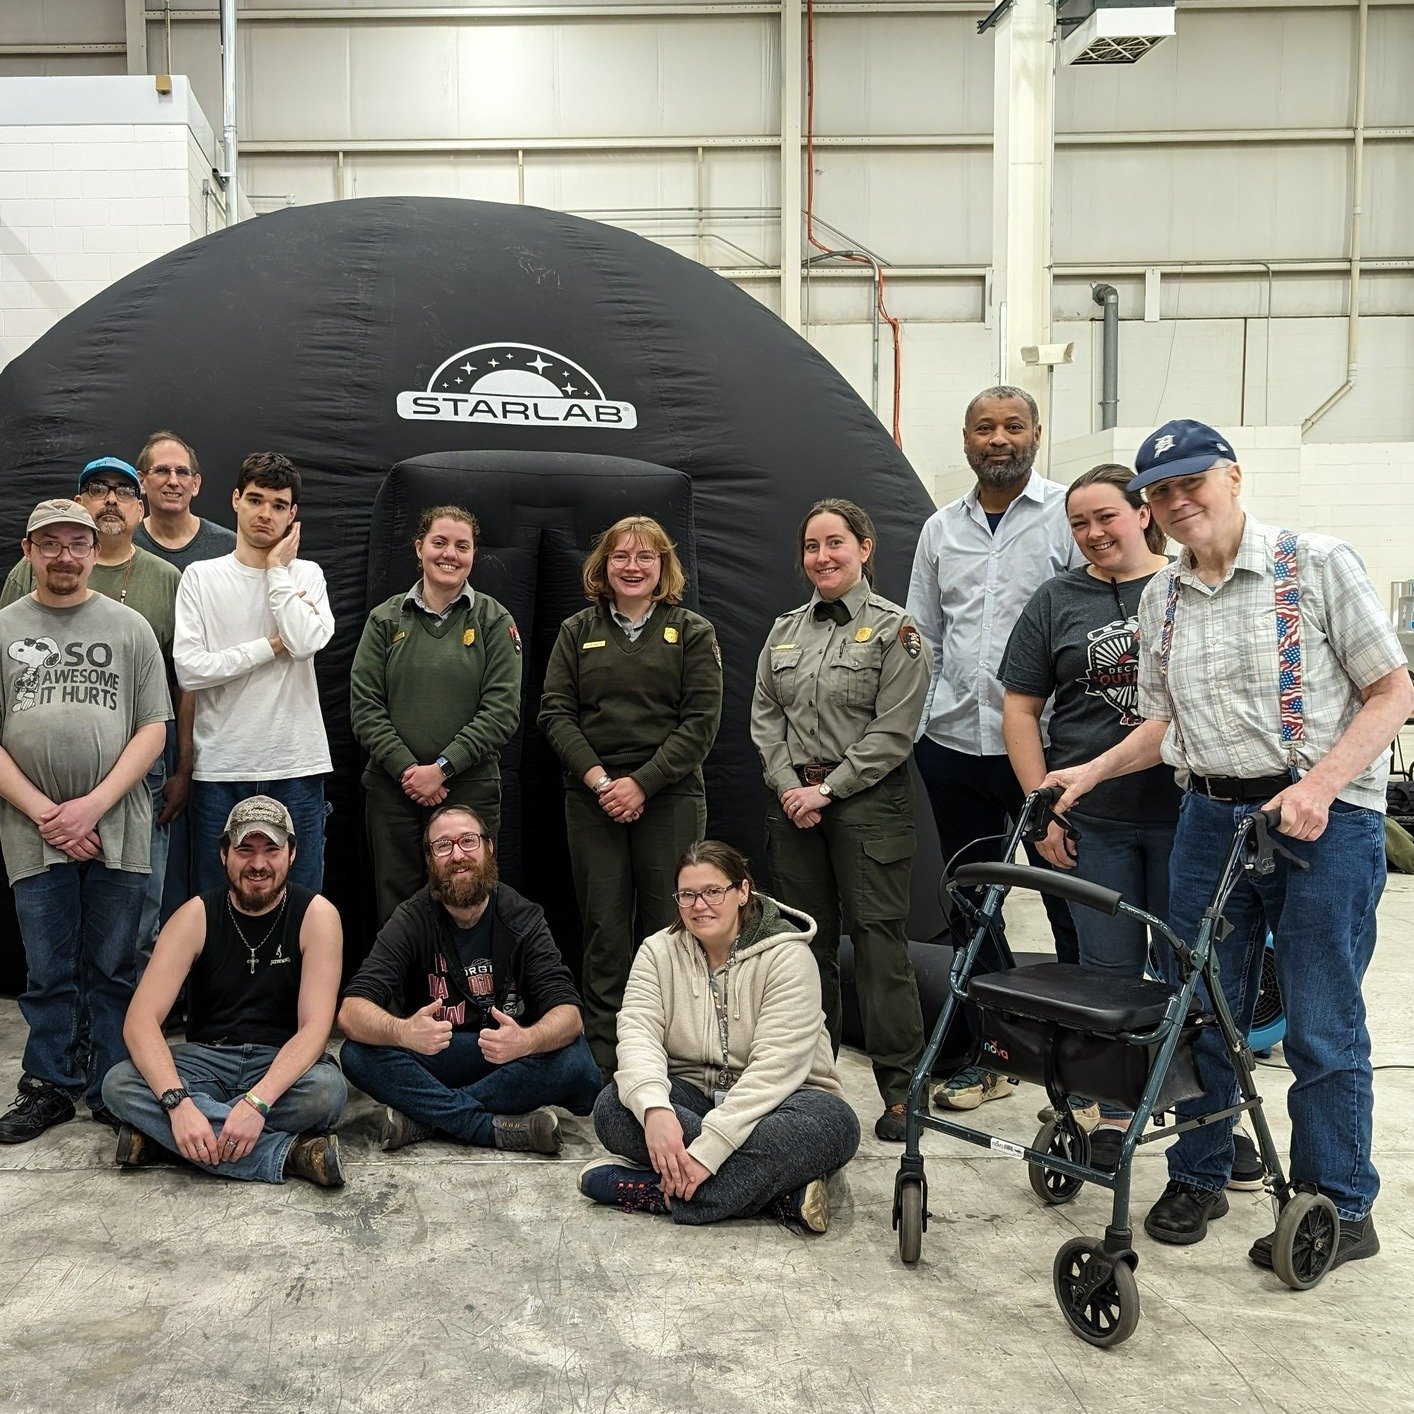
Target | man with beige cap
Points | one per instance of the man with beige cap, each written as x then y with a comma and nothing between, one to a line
83,713
252,1093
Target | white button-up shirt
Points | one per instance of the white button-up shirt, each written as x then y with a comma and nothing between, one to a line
968,589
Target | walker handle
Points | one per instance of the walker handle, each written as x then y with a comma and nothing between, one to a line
1045,881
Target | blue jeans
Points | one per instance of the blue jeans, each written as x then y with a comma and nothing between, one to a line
212,801
1322,921
216,1077
79,926
459,1092
1134,861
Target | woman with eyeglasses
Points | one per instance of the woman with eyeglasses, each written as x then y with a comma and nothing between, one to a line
839,690
433,697
726,1102
632,700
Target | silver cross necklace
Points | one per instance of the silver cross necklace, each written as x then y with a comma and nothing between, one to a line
253,950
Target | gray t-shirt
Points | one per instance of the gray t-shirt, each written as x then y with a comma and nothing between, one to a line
75,685
1076,639
210,542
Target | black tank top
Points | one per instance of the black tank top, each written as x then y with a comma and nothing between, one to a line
229,1001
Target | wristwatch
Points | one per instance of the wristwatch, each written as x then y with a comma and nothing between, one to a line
170,1099
825,789
448,770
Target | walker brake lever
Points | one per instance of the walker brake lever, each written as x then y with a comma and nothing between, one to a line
1264,823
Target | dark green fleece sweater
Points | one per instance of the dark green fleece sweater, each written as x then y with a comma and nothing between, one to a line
647,709
423,687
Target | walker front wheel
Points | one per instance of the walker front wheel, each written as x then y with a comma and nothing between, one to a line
1098,1298
1305,1242
910,1221
1066,1141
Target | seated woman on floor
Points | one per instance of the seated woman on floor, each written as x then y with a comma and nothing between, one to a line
726,1102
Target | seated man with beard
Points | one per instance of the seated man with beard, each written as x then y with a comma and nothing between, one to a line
252,1093
463,1020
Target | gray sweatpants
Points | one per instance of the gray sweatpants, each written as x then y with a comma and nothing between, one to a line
810,1134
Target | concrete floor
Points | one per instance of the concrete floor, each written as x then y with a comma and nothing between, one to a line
441,1278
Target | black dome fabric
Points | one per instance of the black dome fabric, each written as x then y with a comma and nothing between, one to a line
306,330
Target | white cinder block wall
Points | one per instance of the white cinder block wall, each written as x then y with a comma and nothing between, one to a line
98,176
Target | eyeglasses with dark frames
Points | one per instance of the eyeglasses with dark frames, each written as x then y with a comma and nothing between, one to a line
469,843
52,549
101,490
712,895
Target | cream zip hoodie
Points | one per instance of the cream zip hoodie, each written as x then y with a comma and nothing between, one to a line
777,1040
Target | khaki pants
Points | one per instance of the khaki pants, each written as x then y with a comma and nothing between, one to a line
855,867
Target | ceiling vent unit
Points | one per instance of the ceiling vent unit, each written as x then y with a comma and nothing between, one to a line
1096,32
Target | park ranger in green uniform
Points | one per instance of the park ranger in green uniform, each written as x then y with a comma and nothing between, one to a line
632,700
434,696
839,689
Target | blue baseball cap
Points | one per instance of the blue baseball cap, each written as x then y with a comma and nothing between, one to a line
1178,448
109,464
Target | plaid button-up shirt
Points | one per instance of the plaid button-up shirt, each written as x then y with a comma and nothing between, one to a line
1221,696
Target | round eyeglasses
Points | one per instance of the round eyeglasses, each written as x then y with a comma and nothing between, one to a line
468,843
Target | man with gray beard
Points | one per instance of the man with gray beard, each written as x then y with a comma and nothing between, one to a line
464,1021
979,559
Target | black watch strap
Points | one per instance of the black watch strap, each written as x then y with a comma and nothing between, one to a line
170,1099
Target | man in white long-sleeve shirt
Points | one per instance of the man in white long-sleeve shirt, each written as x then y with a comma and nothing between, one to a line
248,627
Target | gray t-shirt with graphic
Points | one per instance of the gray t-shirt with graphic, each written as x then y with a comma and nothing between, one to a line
1075,639
75,685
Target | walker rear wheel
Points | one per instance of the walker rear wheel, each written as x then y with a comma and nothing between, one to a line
1100,1306
1066,1141
910,1221
1305,1242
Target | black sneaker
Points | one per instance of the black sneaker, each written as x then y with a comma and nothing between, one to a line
38,1106
1104,1148
635,1190
1248,1170
1182,1214
1357,1240
101,1114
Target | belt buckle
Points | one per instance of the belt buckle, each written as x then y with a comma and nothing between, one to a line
813,774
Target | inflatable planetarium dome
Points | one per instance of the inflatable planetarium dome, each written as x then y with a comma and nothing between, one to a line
552,373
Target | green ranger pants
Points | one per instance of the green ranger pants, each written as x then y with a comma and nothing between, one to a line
395,825
857,862
624,878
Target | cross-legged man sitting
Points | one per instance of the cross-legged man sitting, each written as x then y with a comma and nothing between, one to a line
464,1020
252,1094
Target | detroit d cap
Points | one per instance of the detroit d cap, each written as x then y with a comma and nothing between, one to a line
114,464
1178,448
59,512
259,815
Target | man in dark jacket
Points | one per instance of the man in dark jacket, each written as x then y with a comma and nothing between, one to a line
463,1020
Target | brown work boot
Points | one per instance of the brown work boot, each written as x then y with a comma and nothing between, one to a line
538,1132
892,1125
315,1157
136,1150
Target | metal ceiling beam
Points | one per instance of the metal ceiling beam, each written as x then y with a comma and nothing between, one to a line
308,147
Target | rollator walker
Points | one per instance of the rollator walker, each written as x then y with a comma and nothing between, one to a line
1128,1042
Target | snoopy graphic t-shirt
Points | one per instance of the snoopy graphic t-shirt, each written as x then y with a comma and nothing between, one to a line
1076,639
75,685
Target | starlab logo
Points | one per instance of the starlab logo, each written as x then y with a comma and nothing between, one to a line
515,385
